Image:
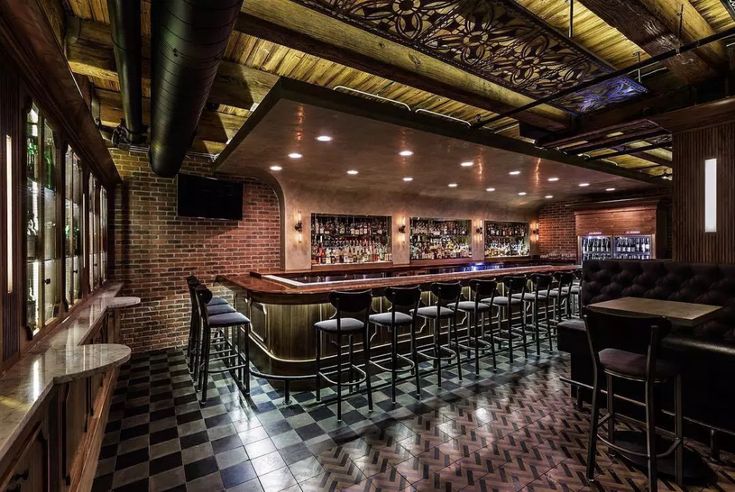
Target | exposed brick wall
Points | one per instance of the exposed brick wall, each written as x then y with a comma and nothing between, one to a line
154,250
557,235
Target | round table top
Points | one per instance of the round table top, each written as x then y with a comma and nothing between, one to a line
123,302
70,363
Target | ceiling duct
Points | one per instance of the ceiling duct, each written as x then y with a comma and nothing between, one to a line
189,40
126,39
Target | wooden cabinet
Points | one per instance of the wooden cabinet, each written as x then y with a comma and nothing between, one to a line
31,470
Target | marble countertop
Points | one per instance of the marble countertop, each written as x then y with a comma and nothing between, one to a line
56,359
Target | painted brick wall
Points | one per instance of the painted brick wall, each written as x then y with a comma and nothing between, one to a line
154,251
557,235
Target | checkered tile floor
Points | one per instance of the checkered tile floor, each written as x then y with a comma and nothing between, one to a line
510,429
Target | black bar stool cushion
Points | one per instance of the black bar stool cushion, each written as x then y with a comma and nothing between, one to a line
632,364
576,324
431,312
386,318
529,296
219,309
216,301
503,301
228,319
348,325
469,306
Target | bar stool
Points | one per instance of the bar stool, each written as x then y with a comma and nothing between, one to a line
345,303
231,326
402,314
513,285
476,309
215,306
626,347
447,298
562,293
576,292
540,293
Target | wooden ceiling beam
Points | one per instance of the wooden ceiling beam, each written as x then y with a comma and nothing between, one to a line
614,141
654,26
89,52
300,28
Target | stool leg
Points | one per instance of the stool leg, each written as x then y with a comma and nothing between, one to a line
477,341
548,325
352,363
394,361
453,334
592,446
339,378
414,352
437,352
651,437
537,329
204,375
246,369
368,384
318,381
523,332
610,409
509,315
492,337
679,431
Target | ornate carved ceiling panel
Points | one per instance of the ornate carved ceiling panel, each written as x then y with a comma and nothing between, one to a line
494,39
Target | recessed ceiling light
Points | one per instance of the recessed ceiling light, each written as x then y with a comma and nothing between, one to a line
514,173
466,164
489,189
522,193
609,189
276,167
353,172
295,155
549,196
407,179
406,153
582,185
452,185
324,138
554,178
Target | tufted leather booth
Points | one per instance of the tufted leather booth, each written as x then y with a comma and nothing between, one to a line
706,352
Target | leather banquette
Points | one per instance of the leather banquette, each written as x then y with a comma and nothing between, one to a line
706,352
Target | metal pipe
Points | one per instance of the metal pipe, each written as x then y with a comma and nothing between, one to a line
189,40
614,74
126,40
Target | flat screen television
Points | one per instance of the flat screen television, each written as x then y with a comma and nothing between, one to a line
208,198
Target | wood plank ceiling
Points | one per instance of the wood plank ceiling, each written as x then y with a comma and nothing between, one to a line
466,59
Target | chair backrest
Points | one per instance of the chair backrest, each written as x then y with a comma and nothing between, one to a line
565,279
403,299
542,282
637,334
446,292
202,296
515,285
484,289
346,303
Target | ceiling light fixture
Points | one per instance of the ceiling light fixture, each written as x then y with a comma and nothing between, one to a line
406,153
324,138
353,172
549,196
467,164
514,173
553,178
295,155
609,189
522,193
276,167
407,179
583,185
452,185
489,189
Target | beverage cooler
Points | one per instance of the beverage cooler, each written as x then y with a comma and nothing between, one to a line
622,246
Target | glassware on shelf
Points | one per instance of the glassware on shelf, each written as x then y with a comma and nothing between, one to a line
596,247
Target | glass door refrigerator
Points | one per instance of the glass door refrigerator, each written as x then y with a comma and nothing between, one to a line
595,247
634,246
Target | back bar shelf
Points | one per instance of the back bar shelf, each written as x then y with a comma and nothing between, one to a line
504,239
350,239
439,239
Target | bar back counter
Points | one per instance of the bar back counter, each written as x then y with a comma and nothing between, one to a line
706,352
283,306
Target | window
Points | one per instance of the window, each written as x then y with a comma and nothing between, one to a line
710,195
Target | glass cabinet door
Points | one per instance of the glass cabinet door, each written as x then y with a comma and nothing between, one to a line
93,254
43,297
72,229
103,234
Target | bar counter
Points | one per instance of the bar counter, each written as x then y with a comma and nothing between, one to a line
283,306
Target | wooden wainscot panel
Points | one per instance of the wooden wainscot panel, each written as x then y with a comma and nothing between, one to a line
634,219
30,469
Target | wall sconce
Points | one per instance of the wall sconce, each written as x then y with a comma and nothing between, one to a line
534,233
402,228
299,225
710,195
478,230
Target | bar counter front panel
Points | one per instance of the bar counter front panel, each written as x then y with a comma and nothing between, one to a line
283,306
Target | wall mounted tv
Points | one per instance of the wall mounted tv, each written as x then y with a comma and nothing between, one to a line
208,198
